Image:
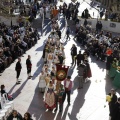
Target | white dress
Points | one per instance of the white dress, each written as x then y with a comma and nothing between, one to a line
50,59
42,83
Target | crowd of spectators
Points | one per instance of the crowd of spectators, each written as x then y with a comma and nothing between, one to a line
70,11
28,8
102,45
14,42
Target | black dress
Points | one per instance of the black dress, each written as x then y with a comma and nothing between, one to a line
116,112
112,103
109,62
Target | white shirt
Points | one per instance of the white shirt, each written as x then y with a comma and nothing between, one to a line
67,84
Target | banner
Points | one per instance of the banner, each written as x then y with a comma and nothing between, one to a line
61,73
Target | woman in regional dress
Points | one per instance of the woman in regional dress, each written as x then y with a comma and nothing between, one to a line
42,83
50,97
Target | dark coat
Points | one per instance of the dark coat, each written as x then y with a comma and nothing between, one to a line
79,58
19,117
112,104
28,63
109,62
113,100
116,112
18,66
74,51
61,59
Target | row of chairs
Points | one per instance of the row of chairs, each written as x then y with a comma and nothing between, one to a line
6,106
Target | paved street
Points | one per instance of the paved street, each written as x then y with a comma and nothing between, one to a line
86,104
87,4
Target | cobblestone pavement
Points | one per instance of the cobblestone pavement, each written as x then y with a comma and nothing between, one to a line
86,104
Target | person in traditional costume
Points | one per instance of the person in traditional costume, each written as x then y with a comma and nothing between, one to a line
57,43
68,85
53,74
47,79
59,97
54,65
29,66
50,97
44,67
52,45
56,60
45,53
42,83
62,51
57,50
61,58
50,59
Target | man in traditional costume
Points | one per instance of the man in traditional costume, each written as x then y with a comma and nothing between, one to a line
29,66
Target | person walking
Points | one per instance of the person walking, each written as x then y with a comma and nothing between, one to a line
79,58
29,66
18,68
81,71
59,98
68,32
68,84
73,54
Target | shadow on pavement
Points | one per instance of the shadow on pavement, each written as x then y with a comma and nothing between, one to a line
62,24
10,91
100,64
71,70
47,27
79,100
65,113
41,47
40,66
37,108
16,93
